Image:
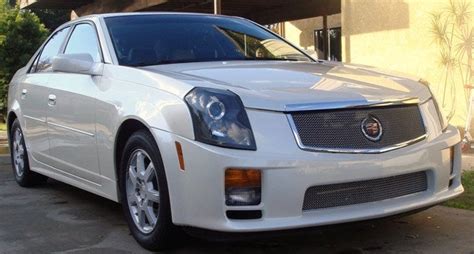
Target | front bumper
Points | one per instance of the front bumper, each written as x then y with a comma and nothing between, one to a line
197,193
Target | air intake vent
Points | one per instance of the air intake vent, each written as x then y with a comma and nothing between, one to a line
343,194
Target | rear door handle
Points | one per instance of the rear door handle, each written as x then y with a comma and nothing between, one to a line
52,100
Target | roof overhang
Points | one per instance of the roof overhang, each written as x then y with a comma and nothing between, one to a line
53,4
261,11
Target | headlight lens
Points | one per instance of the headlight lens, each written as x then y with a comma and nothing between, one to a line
219,118
442,118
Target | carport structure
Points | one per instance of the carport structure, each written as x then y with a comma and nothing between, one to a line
262,11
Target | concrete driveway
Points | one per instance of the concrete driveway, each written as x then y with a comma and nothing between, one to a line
57,218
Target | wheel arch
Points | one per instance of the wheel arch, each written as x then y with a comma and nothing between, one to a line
10,119
124,131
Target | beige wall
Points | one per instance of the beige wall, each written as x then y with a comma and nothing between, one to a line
301,32
397,35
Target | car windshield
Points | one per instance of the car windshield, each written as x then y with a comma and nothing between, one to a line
143,40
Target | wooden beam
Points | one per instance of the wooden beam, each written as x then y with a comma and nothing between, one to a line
51,4
297,9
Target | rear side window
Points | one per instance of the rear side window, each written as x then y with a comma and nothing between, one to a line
50,50
84,41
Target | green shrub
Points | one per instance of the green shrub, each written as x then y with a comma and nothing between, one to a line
21,33
466,200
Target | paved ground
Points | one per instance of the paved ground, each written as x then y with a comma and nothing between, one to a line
57,218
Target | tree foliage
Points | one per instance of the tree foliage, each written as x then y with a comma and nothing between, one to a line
21,33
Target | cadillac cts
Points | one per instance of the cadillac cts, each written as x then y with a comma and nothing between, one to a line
216,123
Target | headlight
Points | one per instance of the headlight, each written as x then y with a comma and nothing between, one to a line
219,118
442,119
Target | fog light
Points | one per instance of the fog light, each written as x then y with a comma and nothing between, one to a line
242,187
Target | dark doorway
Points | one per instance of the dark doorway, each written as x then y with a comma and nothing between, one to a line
334,43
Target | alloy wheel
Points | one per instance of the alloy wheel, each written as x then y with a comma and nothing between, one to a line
143,195
18,153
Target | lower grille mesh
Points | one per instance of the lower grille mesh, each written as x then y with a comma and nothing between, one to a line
343,194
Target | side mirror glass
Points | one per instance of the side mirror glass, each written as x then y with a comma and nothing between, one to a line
77,63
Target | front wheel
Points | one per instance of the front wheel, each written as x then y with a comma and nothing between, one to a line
19,157
144,193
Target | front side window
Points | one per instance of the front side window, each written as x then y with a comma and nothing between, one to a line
143,40
50,50
84,41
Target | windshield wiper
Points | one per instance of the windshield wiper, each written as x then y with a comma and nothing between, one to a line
271,59
162,62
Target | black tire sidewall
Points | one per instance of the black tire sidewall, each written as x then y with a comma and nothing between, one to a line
161,235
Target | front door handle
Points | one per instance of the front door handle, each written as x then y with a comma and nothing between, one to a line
23,93
52,100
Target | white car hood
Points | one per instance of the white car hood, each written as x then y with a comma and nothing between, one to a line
279,86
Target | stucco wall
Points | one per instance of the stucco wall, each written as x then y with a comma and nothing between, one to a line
397,35
301,32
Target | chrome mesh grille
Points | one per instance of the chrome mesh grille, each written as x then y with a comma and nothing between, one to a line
343,194
341,128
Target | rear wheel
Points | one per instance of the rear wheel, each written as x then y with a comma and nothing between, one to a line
144,193
19,157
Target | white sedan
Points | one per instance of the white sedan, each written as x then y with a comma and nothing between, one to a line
217,123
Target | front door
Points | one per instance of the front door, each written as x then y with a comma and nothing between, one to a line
71,111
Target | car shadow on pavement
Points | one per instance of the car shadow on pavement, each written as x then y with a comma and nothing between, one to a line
56,217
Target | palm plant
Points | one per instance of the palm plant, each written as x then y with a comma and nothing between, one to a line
452,32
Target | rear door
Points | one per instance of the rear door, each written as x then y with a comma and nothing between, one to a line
72,110
34,97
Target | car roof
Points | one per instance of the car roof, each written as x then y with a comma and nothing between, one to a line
124,14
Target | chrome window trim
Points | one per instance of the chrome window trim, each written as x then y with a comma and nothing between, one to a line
345,106
350,104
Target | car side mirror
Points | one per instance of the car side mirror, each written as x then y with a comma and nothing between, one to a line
77,63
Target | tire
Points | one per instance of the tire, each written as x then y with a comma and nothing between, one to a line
139,199
19,157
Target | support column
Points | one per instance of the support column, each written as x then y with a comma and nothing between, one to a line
217,7
325,37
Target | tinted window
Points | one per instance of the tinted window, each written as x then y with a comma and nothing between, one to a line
50,50
142,40
84,41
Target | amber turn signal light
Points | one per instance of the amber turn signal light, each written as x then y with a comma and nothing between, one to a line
243,187
179,151
238,178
